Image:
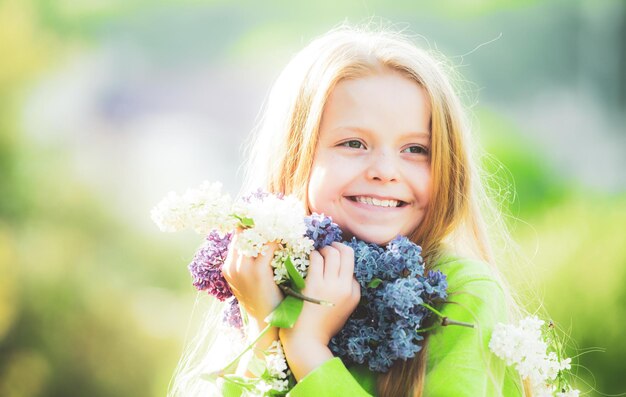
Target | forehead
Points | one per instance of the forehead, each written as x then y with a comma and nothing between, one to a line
386,101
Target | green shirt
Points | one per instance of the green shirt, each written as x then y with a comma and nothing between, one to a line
458,363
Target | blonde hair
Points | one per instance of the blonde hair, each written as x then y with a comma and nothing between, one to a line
282,149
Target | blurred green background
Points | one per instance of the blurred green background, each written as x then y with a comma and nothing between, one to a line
107,105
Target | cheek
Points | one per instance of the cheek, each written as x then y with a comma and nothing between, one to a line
324,185
316,189
427,190
421,186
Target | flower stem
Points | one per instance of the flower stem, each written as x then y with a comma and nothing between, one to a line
448,321
445,321
290,291
234,362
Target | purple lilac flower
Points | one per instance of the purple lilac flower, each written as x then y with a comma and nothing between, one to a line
322,230
257,194
217,286
206,266
232,314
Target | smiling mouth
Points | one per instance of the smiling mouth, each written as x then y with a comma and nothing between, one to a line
385,203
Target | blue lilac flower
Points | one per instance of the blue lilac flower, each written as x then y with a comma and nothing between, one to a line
401,295
367,261
381,360
384,326
404,342
356,339
232,314
206,266
403,259
436,285
322,230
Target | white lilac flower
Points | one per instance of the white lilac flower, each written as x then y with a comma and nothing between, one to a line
275,361
209,209
276,377
569,393
202,209
275,219
299,259
542,390
523,346
280,385
251,243
171,214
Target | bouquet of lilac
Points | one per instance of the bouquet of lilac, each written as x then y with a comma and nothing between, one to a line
397,301
398,297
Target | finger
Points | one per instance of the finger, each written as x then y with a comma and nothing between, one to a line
316,267
269,248
243,263
346,270
331,261
263,263
356,290
229,265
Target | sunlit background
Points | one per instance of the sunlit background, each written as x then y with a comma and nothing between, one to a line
106,105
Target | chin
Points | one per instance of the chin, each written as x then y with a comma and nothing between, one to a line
381,238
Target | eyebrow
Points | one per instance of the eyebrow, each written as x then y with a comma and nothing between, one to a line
421,134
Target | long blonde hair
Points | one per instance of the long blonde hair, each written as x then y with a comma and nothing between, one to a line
282,149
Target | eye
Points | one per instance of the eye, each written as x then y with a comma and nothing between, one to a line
415,149
353,144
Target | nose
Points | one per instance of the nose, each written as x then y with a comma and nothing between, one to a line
382,167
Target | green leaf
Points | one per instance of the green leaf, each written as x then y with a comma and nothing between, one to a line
246,223
234,385
256,366
210,377
286,314
294,275
374,283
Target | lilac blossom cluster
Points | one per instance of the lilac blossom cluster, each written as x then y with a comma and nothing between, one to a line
384,327
322,230
532,353
206,266
263,217
232,315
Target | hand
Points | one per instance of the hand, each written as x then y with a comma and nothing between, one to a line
252,282
331,278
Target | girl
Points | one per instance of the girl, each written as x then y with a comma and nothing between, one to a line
366,128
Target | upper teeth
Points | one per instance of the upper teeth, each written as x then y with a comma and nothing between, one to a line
377,202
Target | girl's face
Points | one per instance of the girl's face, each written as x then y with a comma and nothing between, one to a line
371,170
